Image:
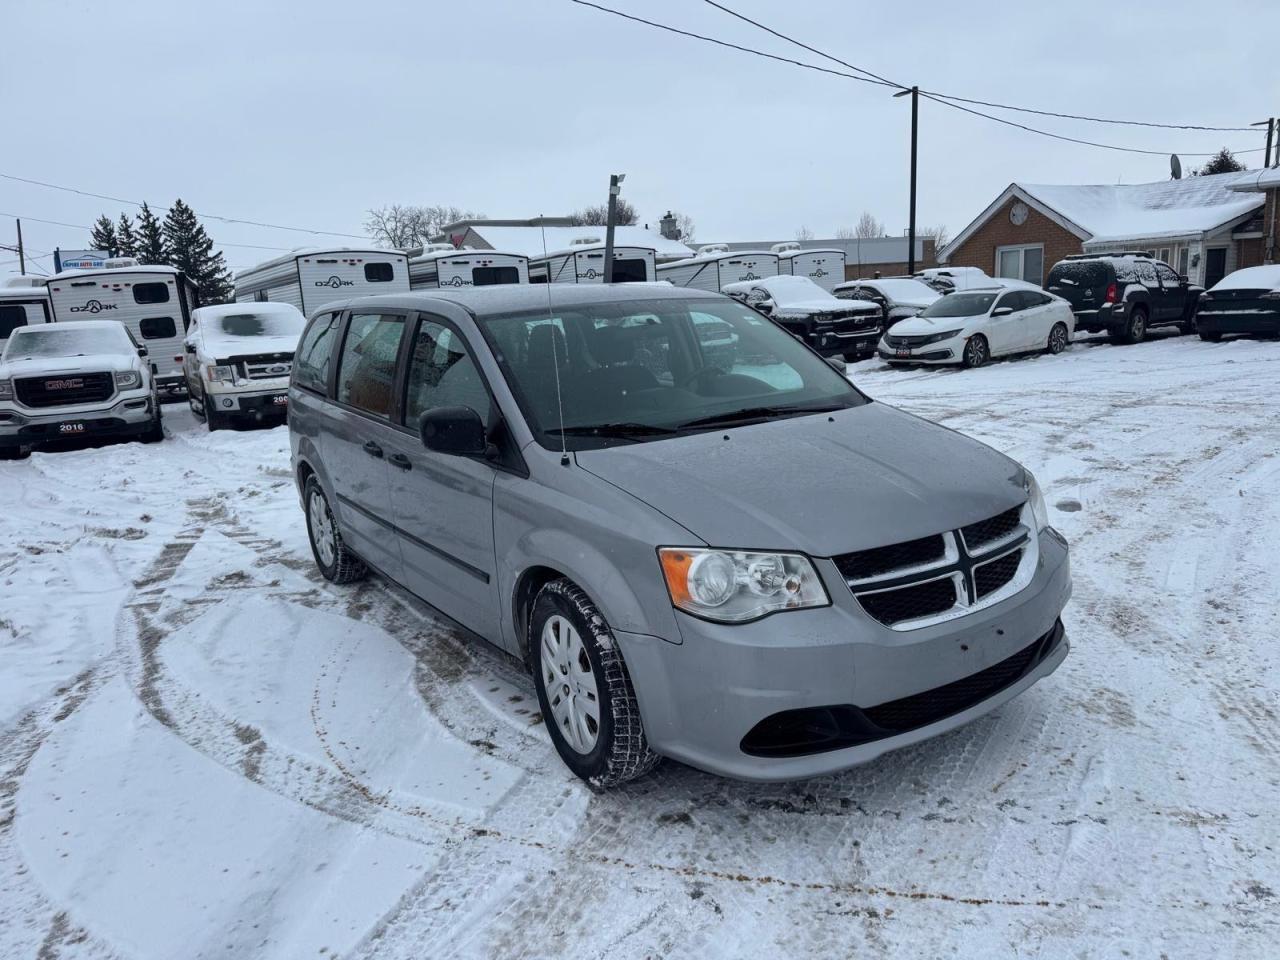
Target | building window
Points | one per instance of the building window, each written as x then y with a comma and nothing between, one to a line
1164,254
1184,260
1021,263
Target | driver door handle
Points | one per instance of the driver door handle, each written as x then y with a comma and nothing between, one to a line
401,461
373,450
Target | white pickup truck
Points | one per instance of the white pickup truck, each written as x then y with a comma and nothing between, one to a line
81,378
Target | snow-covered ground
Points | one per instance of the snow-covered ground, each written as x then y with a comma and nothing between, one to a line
206,751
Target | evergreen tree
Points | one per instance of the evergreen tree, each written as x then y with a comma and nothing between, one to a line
150,244
126,240
103,236
191,251
1222,162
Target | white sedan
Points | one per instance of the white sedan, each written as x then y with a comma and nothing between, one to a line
970,328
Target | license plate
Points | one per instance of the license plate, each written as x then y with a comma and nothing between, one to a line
76,426
281,400
902,352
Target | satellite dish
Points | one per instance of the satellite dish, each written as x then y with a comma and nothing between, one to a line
1175,167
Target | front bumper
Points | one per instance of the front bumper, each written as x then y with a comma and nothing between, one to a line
260,404
21,426
829,344
1238,321
945,351
699,699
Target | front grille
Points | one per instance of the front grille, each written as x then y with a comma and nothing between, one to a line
64,391
263,366
990,577
897,556
977,535
911,603
896,341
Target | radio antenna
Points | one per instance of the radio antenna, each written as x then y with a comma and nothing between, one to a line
555,356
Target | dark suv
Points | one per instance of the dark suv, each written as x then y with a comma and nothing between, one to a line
1124,294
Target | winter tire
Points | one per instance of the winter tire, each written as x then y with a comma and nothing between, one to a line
155,430
588,704
1135,330
336,561
1059,338
1210,337
976,351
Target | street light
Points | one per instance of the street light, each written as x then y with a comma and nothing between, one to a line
615,187
1270,125
911,227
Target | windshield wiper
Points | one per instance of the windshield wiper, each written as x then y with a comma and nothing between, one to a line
625,431
755,413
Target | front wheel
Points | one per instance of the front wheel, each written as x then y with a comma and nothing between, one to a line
588,704
976,351
1058,338
336,561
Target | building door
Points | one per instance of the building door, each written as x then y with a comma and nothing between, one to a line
1215,265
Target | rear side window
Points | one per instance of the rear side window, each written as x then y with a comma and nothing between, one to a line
1147,273
157,328
11,318
315,350
1078,273
367,369
378,272
150,293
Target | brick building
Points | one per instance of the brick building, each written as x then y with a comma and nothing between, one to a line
1201,226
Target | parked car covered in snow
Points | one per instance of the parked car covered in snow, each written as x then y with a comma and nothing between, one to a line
1246,301
834,327
1124,294
757,571
897,297
238,360
22,303
950,279
971,327
80,378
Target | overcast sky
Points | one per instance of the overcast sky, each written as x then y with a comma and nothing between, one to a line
307,114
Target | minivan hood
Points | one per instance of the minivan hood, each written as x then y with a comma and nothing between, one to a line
824,484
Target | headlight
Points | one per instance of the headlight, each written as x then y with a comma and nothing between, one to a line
128,380
6,389
939,337
731,586
1038,510
215,372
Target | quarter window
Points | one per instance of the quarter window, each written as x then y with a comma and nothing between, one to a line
442,374
367,369
157,328
378,272
311,366
150,293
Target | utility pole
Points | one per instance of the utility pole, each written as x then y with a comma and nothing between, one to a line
22,257
1270,123
911,226
615,187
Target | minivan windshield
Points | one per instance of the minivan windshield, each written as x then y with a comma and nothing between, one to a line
598,374
961,305
51,340
260,325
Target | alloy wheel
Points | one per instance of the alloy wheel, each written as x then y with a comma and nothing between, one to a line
1057,339
976,351
570,684
322,531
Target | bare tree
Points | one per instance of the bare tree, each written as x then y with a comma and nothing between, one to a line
686,226
804,233
598,216
403,226
939,234
846,233
868,226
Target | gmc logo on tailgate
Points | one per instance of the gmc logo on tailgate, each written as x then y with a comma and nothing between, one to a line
71,383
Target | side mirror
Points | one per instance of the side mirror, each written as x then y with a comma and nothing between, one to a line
457,431
143,351
1002,311
1182,279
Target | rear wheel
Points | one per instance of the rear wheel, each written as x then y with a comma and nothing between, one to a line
1135,331
1210,336
588,704
1058,338
976,351
336,562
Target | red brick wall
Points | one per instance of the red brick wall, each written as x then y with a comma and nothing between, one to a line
865,271
999,231
1248,253
1271,227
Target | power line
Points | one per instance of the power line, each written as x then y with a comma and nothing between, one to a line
876,80
206,216
981,103
81,226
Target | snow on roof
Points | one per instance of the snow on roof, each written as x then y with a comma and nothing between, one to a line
23,282
528,241
1252,278
24,293
1256,180
431,255
731,255
315,252
787,291
1142,211
112,272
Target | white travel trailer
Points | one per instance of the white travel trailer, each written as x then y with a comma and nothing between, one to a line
584,263
154,303
308,279
712,270
22,304
824,266
450,267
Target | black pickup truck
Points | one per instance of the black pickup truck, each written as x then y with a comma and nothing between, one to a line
1124,294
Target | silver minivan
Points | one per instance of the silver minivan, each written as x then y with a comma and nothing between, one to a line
705,543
